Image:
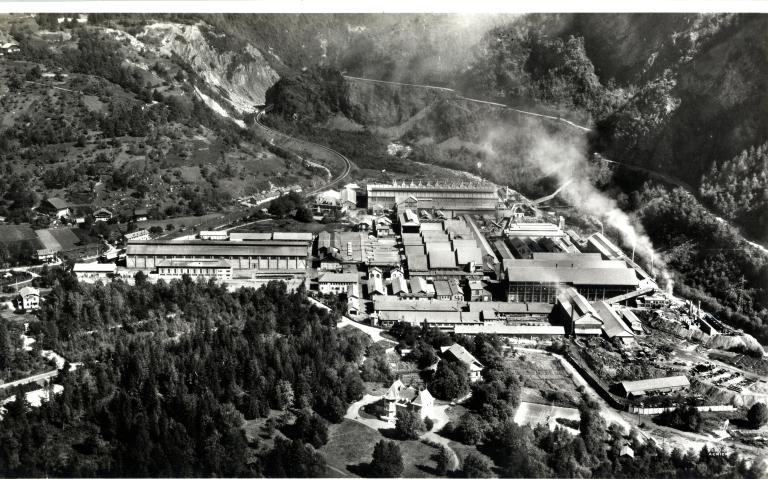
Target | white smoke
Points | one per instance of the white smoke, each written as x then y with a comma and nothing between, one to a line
563,155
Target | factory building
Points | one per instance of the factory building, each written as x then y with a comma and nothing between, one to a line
447,197
208,269
247,258
578,316
539,280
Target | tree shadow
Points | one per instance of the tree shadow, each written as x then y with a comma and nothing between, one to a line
389,433
362,469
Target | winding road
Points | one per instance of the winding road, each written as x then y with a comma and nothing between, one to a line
475,100
276,134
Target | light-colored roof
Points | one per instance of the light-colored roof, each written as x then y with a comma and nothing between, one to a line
394,304
441,259
249,236
94,267
399,285
338,278
577,276
466,255
459,352
424,397
510,330
412,239
431,317
393,393
658,383
102,210
217,248
292,236
419,285
511,308
568,256
430,226
29,290
417,262
193,264
376,285
613,326
604,246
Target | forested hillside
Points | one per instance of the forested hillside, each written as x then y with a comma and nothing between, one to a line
171,374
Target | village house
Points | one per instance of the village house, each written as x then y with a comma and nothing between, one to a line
140,214
45,255
382,226
102,214
28,299
458,353
55,207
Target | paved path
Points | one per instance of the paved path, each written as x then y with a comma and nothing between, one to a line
374,333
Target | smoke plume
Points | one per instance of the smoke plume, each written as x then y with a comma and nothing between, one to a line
563,154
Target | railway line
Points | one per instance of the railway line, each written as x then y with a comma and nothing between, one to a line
335,181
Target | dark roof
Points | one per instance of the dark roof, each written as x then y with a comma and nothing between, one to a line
140,212
57,203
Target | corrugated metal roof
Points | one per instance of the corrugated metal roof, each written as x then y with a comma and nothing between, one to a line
509,330
414,249
511,308
442,260
292,236
412,239
394,304
466,255
613,326
94,267
216,248
338,278
576,276
250,236
193,264
658,383
417,262
431,227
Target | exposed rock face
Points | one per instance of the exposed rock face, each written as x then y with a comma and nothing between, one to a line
383,104
240,77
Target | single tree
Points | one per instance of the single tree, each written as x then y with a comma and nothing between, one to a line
409,424
443,461
758,415
387,460
476,465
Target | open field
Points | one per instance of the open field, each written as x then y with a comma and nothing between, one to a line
13,233
65,237
350,448
532,414
545,380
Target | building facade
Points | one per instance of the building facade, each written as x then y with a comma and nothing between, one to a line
247,259
216,269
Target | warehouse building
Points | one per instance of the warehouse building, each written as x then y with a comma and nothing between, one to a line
512,330
578,316
94,271
455,198
658,385
247,258
336,283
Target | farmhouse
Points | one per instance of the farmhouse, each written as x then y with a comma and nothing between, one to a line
457,352
102,214
55,207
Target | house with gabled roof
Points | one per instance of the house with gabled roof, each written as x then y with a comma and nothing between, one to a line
401,397
55,207
28,298
459,353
